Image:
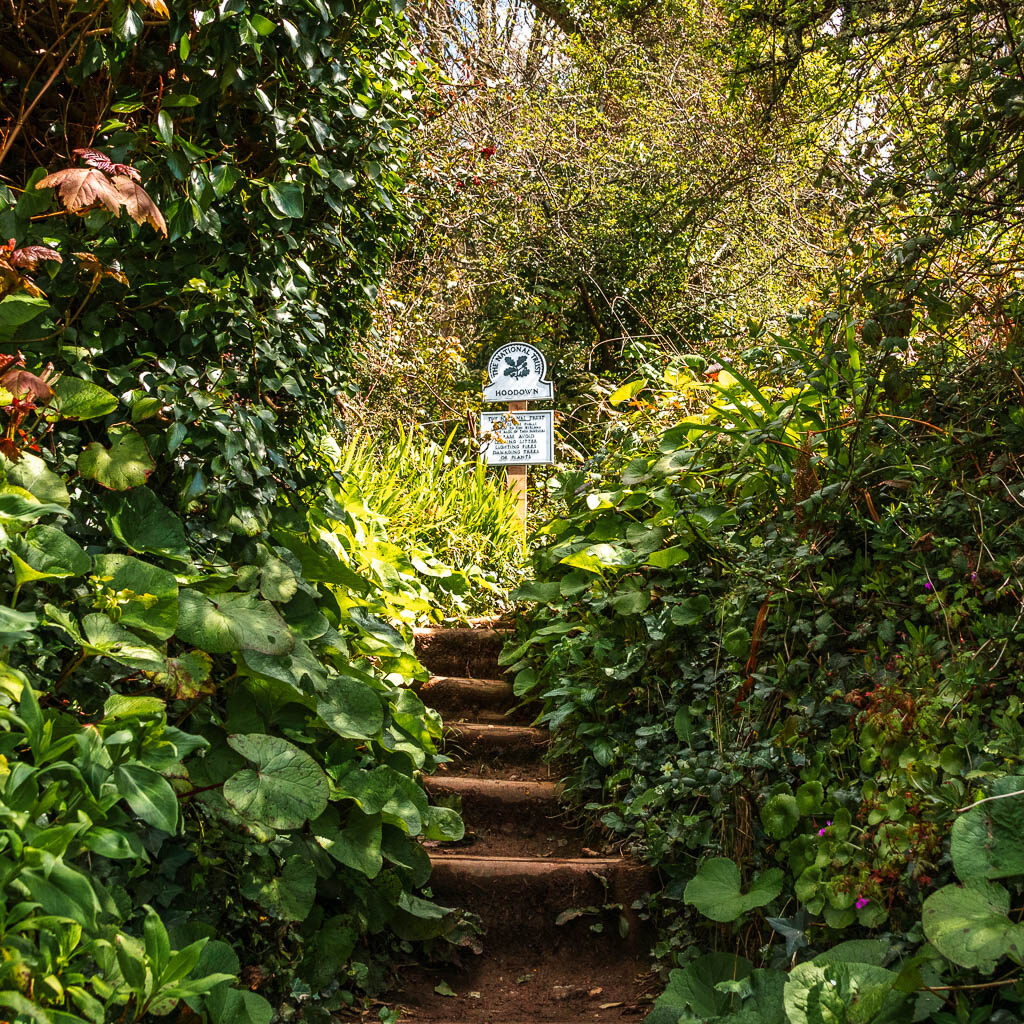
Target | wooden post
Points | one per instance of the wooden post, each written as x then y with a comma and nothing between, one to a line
516,476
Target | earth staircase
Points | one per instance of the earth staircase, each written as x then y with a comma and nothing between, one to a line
522,867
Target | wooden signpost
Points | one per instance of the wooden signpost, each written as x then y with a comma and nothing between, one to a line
518,439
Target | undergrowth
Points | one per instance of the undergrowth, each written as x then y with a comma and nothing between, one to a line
457,520
780,655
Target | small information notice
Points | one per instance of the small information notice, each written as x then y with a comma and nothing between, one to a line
518,438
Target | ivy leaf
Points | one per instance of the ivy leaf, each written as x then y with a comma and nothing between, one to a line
125,465
286,788
715,890
78,399
286,199
149,795
232,622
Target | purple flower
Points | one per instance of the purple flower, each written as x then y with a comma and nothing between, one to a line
928,586
974,577
862,902
821,831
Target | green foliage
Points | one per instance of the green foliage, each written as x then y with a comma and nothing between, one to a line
211,742
715,890
780,654
456,520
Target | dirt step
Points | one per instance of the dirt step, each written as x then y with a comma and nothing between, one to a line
502,744
461,697
485,767
518,988
522,896
461,652
510,819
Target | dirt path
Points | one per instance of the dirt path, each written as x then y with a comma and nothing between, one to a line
552,907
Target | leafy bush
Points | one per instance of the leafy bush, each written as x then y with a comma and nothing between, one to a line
210,745
442,509
790,639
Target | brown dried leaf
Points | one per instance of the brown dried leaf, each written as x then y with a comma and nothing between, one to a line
82,188
26,386
140,207
158,7
30,256
87,261
9,449
11,280
102,162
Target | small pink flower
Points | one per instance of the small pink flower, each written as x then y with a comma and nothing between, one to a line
862,902
928,586
821,831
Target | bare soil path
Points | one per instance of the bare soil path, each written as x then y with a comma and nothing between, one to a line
522,868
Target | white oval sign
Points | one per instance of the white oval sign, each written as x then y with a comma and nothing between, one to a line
517,374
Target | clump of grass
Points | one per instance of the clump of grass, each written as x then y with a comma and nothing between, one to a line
433,498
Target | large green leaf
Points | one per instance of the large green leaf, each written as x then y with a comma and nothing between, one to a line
970,924
390,792
277,581
107,639
16,626
148,594
142,523
44,552
985,842
81,399
232,622
149,795
692,990
780,814
331,949
289,895
61,890
32,473
126,464
840,993
238,1006
284,790
351,709
23,509
357,845
19,309
716,890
